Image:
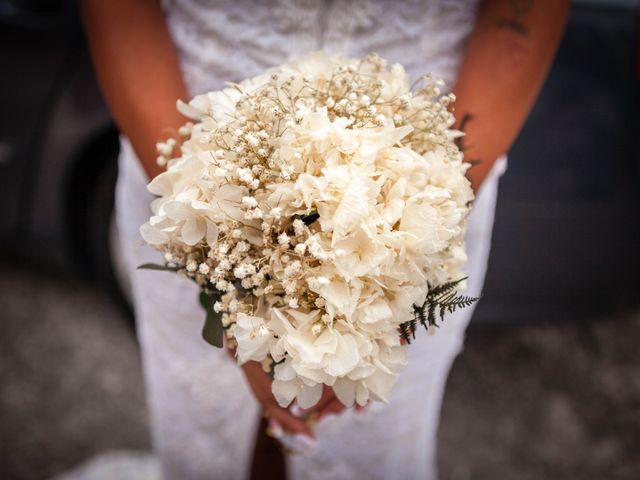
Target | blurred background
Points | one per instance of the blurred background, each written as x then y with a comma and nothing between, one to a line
549,384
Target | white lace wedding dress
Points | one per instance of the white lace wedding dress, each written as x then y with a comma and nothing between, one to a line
204,418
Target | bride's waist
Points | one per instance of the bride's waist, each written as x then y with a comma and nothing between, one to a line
204,73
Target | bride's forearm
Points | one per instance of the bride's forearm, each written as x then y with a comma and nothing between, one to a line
138,70
506,61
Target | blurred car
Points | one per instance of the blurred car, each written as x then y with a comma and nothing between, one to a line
58,144
565,238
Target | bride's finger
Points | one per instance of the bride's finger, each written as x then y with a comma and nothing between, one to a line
274,429
333,407
288,421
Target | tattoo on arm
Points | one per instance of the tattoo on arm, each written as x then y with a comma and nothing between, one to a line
519,10
521,7
514,25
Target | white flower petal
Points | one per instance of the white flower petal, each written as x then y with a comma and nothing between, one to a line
254,340
309,395
362,394
345,390
284,372
285,392
193,109
212,233
153,235
193,231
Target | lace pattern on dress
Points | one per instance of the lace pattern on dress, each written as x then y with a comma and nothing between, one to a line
233,39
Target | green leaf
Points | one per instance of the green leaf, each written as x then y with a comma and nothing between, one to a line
204,300
309,218
440,300
213,331
444,288
155,266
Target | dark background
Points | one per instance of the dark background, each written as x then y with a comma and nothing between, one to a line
548,385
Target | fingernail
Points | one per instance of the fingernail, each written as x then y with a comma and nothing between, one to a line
296,411
275,429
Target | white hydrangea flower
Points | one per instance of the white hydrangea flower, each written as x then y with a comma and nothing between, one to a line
372,168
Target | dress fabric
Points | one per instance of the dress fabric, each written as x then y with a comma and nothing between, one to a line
203,415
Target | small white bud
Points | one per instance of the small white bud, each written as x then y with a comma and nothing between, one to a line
185,130
192,266
298,226
283,239
276,212
218,307
252,140
249,202
163,149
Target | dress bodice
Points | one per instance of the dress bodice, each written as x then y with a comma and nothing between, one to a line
234,39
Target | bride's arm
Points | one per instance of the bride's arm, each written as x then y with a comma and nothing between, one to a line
506,61
137,67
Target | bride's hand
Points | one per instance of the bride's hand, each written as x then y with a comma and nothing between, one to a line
260,384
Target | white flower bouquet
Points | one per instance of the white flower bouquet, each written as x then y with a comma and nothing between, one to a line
321,207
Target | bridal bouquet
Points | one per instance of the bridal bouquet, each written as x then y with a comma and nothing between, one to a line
321,208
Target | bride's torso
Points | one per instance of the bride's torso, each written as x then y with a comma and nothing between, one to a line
234,39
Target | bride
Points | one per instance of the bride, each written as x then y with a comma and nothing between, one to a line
204,408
